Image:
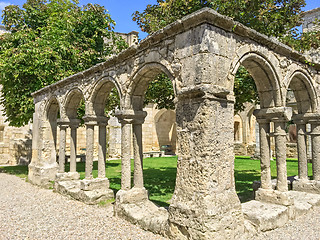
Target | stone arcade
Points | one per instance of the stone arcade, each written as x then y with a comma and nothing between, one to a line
201,54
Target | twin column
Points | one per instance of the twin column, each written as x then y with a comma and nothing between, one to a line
279,116
129,118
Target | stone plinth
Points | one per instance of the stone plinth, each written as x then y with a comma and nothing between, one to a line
42,175
94,184
134,206
274,196
310,186
67,176
73,189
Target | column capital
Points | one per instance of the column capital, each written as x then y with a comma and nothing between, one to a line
95,120
63,123
299,119
275,114
312,118
128,116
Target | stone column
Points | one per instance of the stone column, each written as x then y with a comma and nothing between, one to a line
125,154
280,148
73,145
138,151
90,123
302,147
264,140
62,148
315,140
102,148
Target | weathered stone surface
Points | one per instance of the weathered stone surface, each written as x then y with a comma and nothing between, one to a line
201,53
135,206
73,189
265,216
67,176
310,186
94,184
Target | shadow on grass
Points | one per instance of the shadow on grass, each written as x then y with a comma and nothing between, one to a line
244,180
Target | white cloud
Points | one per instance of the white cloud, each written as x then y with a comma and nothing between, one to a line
3,5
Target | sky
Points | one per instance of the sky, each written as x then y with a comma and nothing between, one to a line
121,11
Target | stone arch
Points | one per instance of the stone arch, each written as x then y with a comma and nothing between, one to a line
72,102
301,84
264,73
100,93
140,81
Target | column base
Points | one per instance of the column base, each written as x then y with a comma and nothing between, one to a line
67,176
134,206
309,186
274,196
42,175
81,190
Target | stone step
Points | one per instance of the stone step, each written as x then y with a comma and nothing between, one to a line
265,216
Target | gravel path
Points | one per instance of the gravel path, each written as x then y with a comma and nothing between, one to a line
29,212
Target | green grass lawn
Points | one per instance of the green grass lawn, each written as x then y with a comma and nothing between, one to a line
160,174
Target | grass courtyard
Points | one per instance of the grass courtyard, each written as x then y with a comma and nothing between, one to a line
160,174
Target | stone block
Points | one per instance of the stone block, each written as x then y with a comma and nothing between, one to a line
274,196
265,216
310,186
94,184
133,195
67,176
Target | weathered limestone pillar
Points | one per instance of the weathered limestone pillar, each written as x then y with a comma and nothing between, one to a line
302,147
125,152
90,123
264,139
138,151
73,145
315,139
102,147
62,147
280,148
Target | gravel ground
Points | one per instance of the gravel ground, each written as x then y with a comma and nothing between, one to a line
29,212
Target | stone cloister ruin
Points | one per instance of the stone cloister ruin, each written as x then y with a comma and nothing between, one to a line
201,54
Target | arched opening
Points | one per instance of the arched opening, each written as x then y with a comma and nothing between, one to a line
158,130
255,83
301,97
50,130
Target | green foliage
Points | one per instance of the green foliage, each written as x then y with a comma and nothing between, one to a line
271,17
160,91
49,41
245,89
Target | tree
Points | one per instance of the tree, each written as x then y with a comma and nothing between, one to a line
277,18
48,41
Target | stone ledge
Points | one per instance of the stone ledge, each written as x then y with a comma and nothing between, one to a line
134,206
67,176
274,196
94,184
310,186
72,189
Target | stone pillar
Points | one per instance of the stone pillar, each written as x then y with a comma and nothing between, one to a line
102,148
62,148
281,157
125,154
264,139
302,147
315,140
90,123
138,152
73,145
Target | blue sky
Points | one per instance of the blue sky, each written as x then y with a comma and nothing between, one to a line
121,10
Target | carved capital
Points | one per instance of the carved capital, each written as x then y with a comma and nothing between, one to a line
129,116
